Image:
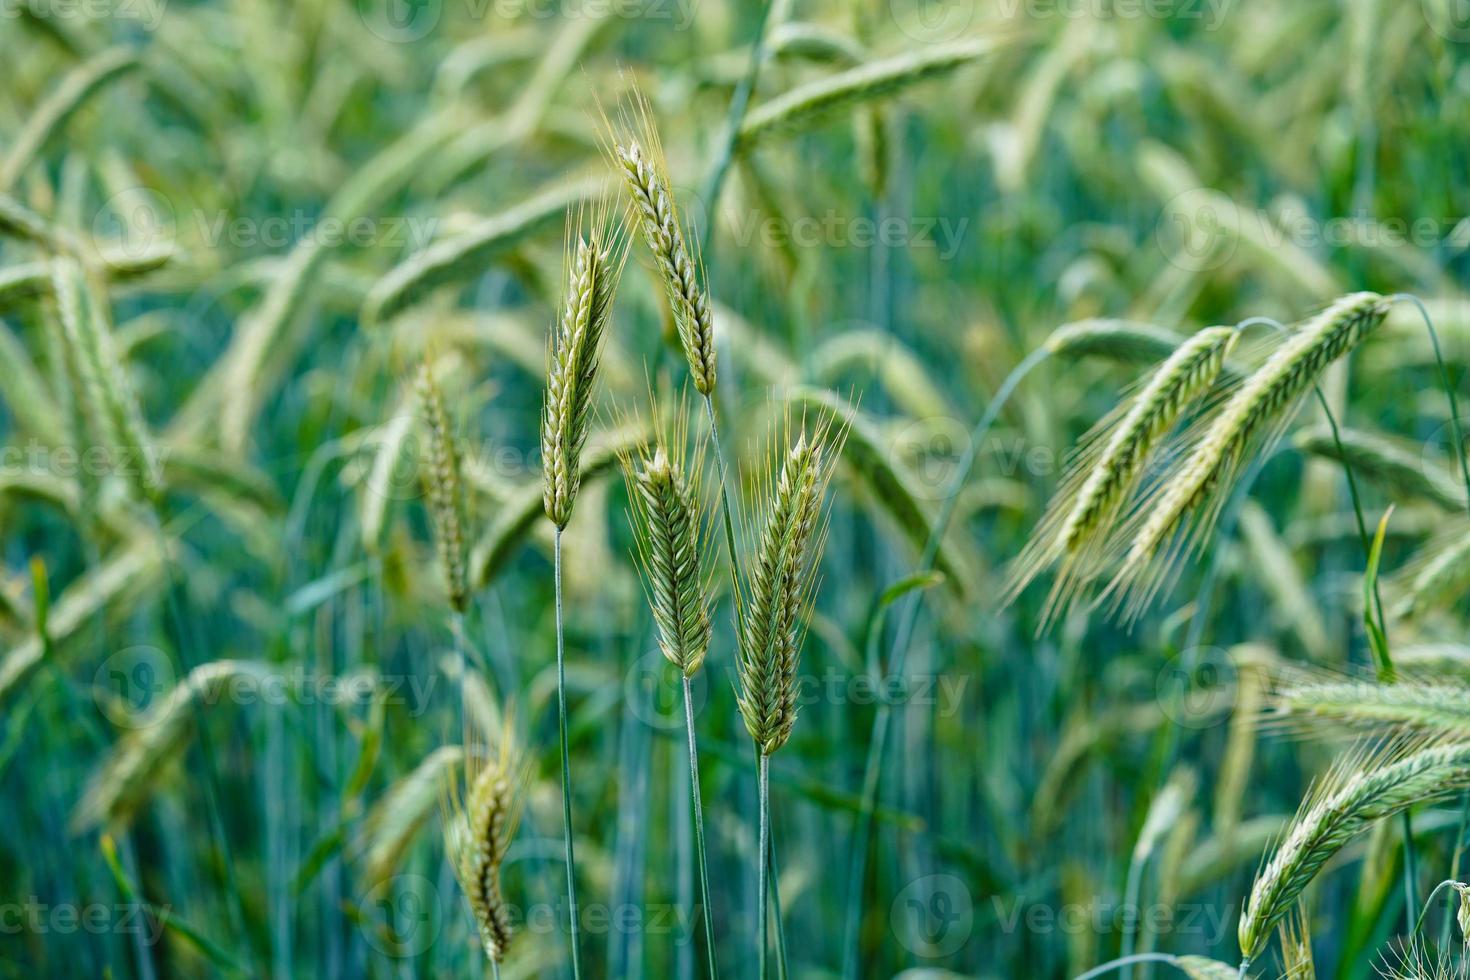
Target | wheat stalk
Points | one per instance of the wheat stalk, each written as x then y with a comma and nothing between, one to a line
594,263
1250,420
666,509
1351,800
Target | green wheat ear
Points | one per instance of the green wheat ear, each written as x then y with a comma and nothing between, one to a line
594,264
478,829
781,578
1104,475
1189,497
445,488
670,528
638,156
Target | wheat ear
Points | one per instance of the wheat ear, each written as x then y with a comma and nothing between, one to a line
639,157
445,488
1405,706
594,263
1249,421
1353,799
478,830
671,531
1104,474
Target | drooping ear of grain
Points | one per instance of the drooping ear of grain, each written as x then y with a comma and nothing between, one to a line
1250,421
126,777
477,834
1339,812
1101,480
1424,707
445,488
574,353
865,83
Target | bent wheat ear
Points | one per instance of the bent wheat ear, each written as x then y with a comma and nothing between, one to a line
1249,421
779,589
1350,801
1403,707
1104,475
477,834
594,263
670,528
445,488
639,156
125,779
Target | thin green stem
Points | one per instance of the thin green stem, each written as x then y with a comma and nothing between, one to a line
1127,961
706,911
566,770
782,970
764,794
725,510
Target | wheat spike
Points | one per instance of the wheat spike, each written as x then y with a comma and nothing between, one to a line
594,263
1250,420
1408,705
1102,477
1347,805
639,156
670,528
445,488
477,834
779,590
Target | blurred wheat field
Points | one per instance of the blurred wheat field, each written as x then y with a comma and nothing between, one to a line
680,488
